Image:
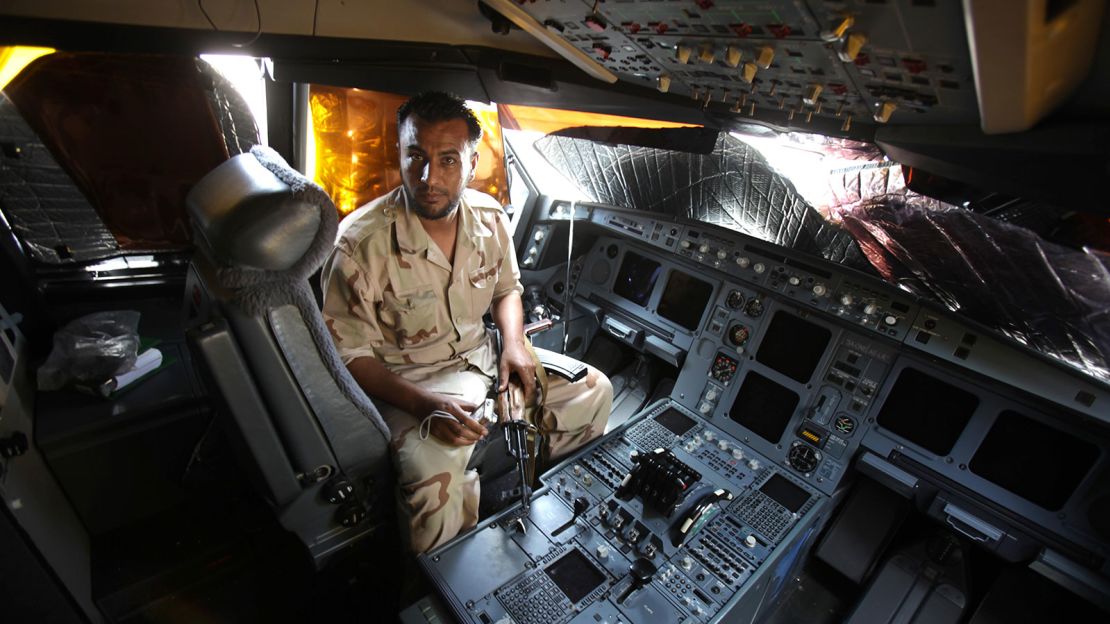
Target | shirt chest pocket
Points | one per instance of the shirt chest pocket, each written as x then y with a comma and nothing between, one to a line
411,315
483,281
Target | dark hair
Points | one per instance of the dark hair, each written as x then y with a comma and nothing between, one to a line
440,106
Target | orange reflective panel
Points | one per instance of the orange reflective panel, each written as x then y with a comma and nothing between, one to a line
352,149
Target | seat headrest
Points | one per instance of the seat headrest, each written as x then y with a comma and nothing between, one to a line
247,217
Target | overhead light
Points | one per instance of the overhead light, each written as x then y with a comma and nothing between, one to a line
528,24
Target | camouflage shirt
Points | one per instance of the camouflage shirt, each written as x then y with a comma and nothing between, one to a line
391,294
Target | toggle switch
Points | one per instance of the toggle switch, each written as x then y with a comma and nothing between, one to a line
853,43
764,56
733,56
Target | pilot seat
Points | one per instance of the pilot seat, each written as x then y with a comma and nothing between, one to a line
315,446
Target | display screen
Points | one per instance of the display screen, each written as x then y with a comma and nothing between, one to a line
636,278
675,421
785,493
575,575
927,411
763,407
684,299
1003,458
792,346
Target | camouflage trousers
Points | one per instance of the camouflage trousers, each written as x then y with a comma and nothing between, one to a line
439,496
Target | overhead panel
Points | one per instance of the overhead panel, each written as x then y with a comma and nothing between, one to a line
869,61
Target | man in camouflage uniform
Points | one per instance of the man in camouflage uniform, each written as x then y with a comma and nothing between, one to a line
405,289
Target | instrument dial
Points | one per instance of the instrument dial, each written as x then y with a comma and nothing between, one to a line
723,368
738,335
803,457
845,425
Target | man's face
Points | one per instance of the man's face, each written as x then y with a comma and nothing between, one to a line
437,162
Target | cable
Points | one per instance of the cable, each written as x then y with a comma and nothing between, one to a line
257,17
315,12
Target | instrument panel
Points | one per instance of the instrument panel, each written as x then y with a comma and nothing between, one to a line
790,370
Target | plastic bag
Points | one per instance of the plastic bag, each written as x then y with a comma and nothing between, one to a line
91,349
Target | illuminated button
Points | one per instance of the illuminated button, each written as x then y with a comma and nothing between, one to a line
682,54
820,290
891,320
722,254
737,453
710,395
749,541
706,54
794,280
743,262
732,56
684,244
853,43
704,248
748,71
663,83
884,111
759,267
764,56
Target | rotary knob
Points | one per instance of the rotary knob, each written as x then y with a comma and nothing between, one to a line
723,445
602,551
696,440
753,464
710,436
737,454
820,290
710,395
539,235
794,280
705,408
759,267
722,254
749,541
846,300
686,563
684,244
870,309
891,320
704,248
743,262
577,470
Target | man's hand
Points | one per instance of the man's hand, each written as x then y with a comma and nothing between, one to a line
461,432
515,360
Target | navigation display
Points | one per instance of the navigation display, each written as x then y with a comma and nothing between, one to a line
575,575
684,299
763,407
792,346
927,411
636,278
1048,484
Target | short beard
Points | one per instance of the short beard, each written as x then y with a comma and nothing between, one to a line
424,213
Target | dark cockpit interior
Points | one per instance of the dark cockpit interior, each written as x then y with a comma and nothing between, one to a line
844,262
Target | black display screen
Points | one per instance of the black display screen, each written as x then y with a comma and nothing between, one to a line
785,493
684,299
675,421
792,346
764,407
927,411
1003,459
636,278
575,575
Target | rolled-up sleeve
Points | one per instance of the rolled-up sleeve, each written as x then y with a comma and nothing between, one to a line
350,303
508,275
